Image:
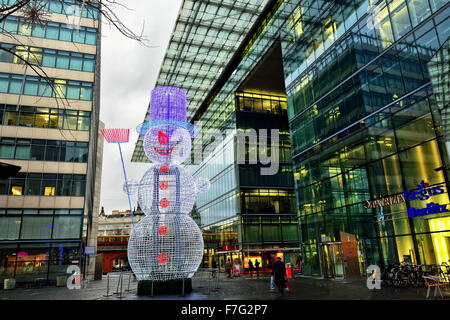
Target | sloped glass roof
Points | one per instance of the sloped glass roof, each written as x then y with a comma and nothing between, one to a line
205,37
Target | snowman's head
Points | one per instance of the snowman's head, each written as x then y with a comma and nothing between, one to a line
167,144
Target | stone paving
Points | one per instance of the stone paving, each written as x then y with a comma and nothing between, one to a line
237,288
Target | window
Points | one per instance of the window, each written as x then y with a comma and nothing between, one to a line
76,61
15,84
67,227
17,190
36,227
9,228
91,36
62,61
4,82
52,31
49,58
26,119
33,185
65,34
400,18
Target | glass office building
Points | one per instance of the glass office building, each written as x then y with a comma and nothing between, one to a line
48,127
364,83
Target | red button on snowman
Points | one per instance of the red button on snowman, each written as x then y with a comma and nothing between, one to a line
167,244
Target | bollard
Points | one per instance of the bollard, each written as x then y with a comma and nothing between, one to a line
107,287
216,282
182,290
129,279
209,287
201,278
152,288
118,282
120,296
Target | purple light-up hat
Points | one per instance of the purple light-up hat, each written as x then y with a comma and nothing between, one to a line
168,106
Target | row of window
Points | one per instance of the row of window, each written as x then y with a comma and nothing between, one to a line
41,211
44,118
276,232
261,103
47,57
49,30
251,176
387,23
67,7
43,150
44,184
267,201
328,71
388,80
35,86
38,228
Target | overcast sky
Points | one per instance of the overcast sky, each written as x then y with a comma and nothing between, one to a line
128,74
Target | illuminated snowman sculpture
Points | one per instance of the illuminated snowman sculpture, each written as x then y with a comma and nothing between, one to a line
166,244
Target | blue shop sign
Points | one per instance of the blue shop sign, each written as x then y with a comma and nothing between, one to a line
423,194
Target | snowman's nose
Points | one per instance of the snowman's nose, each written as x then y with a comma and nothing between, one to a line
163,138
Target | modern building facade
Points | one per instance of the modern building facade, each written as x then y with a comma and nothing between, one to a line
48,127
367,111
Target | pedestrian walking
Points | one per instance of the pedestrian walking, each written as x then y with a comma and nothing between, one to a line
228,268
257,267
279,273
250,266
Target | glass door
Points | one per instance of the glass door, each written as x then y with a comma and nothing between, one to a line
332,260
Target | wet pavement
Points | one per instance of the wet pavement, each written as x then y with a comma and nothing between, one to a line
222,288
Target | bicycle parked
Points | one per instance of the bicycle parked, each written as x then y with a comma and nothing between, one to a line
404,274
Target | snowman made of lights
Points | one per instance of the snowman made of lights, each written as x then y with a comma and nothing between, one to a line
166,244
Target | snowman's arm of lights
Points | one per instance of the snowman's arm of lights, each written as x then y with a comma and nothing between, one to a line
202,185
130,187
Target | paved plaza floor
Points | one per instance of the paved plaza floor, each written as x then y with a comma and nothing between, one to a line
222,288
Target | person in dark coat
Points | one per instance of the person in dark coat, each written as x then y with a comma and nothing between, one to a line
300,263
279,273
214,266
257,267
250,266
228,268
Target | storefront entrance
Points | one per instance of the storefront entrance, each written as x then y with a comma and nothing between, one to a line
332,260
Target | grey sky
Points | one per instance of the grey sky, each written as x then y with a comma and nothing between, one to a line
128,74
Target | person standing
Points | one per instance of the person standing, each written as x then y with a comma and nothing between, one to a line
300,263
228,267
250,266
279,273
214,266
257,267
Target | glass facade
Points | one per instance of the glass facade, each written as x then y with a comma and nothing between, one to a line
246,215
39,241
364,130
365,127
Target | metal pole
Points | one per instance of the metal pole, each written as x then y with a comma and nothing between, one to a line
107,287
126,184
121,284
129,278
